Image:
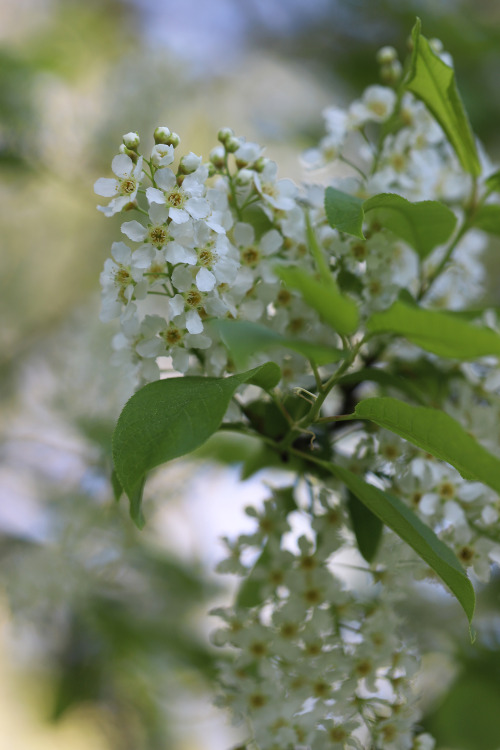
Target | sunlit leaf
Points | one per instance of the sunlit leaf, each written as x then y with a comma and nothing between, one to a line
487,218
398,517
442,333
344,212
432,81
244,338
423,225
437,433
335,308
170,418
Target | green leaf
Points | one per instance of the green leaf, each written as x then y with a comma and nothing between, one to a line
244,338
398,517
432,81
367,527
441,333
339,311
437,433
492,182
487,218
116,486
169,418
344,212
423,225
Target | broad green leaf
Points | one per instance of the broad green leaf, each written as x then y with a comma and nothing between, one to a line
339,311
172,417
344,212
244,338
442,333
492,182
367,527
398,517
487,218
437,433
423,225
432,81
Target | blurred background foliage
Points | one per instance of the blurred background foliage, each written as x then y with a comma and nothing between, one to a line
104,630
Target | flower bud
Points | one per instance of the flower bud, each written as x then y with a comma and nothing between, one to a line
189,163
131,140
386,55
224,134
261,163
232,144
211,169
174,139
161,135
132,154
391,73
218,157
244,177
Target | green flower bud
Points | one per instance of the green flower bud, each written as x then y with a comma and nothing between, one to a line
131,140
244,177
261,163
386,55
161,135
391,73
174,140
218,157
232,144
189,163
132,154
224,134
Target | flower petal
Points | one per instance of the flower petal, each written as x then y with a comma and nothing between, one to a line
199,208
193,322
205,281
165,178
155,196
134,230
122,165
106,186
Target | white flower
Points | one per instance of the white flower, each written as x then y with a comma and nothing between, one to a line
248,153
121,279
162,155
279,194
122,190
376,105
184,201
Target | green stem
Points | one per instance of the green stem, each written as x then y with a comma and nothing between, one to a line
232,188
338,418
353,166
467,223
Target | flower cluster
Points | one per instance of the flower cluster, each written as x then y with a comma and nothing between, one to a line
318,659
204,249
